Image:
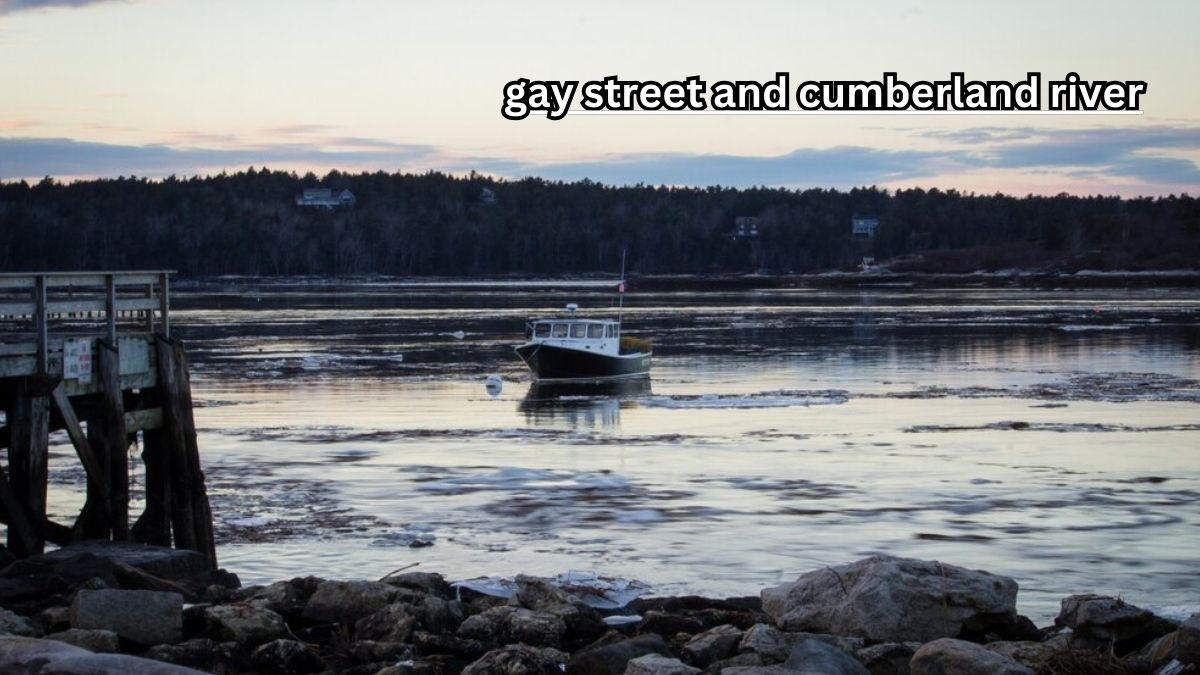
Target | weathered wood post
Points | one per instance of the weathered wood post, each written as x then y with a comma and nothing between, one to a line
28,457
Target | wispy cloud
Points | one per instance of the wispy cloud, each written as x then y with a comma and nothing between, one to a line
13,6
32,157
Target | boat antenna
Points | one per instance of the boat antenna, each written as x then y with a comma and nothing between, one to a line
621,291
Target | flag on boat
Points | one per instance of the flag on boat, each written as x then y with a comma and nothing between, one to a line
621,287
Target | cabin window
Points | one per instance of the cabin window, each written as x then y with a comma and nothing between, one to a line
541,330
596,330
612,330
560,330
578,330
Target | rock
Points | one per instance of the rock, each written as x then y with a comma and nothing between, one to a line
514,624
348,601
1156,654
97,640
1188,644
390,624
437,615
431,643
611,659
370,651
54,619
738,661
889,599
172,564
1031,653
815,656
425,582
245,624
518,660
655,664
15,624
712,645
32,584
28,656
670,623
775,645
759,670
200,654
959,657
286,657
582,622
1111,621
145,617
889,658
286,598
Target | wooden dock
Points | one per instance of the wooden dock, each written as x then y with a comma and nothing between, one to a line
91,353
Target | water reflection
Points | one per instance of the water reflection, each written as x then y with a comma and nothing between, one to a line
587,405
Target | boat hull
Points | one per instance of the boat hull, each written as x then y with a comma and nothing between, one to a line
550,363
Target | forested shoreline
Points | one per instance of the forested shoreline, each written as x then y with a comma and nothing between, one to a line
437,224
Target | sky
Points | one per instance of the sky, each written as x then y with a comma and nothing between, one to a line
104,88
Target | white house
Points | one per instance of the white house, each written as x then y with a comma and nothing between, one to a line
325,198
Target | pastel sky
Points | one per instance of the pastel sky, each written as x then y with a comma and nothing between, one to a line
157,87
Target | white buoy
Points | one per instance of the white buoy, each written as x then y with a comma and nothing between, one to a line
458,335
495,384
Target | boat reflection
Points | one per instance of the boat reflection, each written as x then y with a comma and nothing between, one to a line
581,404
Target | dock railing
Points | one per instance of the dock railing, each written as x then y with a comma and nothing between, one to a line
39,310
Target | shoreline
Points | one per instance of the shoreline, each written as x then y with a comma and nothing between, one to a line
111,606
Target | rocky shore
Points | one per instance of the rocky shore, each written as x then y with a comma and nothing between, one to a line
106,608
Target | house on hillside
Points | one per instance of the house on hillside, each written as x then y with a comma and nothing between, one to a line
744,227
326,198
864,226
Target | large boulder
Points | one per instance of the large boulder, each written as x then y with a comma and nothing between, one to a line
611,659
815,656
959,657
425,582
507,624
1188,642
582,622
348,601
145,617
889,599
1030,653
518,660
1105,620
714,644
245,624
28,656
393,623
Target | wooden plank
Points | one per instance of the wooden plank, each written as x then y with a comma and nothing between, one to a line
138,420
164,303
153,526
26,308
116,435
39,297
110,309
29,425
182,517
71,279
15,517
97,472
201,509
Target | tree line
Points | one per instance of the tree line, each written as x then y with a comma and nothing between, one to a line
438,224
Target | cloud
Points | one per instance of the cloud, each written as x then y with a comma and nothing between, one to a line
34,157
1149,160
14,6
838,166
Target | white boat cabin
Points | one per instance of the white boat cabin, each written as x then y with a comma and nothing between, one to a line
600,336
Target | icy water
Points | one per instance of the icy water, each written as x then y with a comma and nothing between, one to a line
1053,436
